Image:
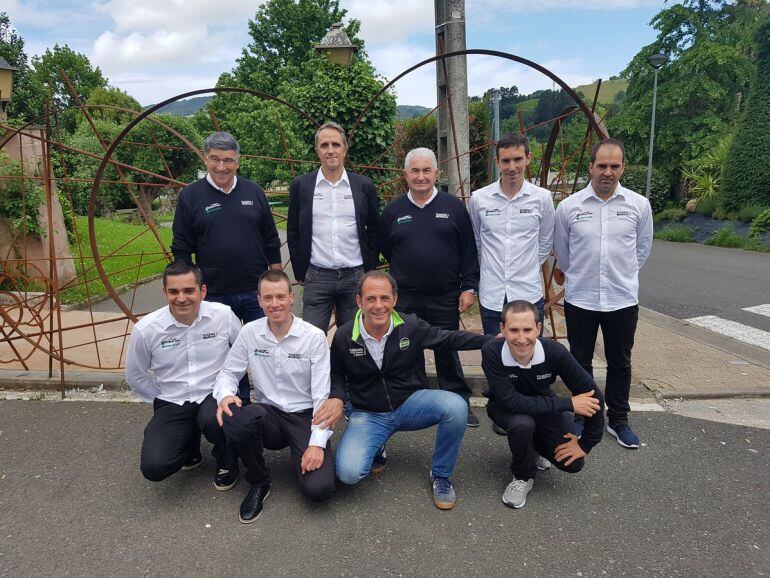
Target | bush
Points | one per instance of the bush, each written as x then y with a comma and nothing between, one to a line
670,214
760,224
635,178
750,212
707,206
745,177
726,237
676,233
752,244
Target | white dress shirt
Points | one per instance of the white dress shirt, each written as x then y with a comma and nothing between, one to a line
291,374
217,187
601,245
513,237
175,362
376,347
335,243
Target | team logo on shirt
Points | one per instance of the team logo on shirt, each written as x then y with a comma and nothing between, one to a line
543,376
211,335
404,220
294,356
213,208
247,202
404,343
318,196
584,216
513,377
169,343
347,197
492,212
357,351
526,211
442,215
261,353
624,213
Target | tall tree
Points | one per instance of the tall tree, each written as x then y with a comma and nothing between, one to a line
82,75
27,93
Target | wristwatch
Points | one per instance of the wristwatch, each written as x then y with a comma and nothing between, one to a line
471,291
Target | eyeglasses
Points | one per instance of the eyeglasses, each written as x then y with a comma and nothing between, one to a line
228,162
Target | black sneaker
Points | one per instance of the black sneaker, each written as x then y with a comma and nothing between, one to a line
226,477
379,462
473,420
251,507
194,459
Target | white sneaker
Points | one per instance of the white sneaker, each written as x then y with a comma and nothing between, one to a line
541,463
515,495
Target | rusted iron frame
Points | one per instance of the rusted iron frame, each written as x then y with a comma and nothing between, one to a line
27,336
111,149
84,279
74,180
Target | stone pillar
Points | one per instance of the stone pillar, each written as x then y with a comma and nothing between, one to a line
450,37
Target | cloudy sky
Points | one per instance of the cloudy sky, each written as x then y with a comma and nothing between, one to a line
155,49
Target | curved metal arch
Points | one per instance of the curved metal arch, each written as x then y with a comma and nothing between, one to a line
481,51
108,155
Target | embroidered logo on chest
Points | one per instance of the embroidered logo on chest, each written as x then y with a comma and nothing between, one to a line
492,212
261,353
584,216
211,335
213,208
404,343
404,220
526,211
442,215
294,355
357,351
247,202
544,376
169,343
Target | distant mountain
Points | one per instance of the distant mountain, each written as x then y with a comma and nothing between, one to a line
185,107
404,111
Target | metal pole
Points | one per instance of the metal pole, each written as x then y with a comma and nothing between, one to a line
496,133
652,135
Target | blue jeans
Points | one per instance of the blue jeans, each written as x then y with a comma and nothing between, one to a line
330,289
490,320
367,432
246,307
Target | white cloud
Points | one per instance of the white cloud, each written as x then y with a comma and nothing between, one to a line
147,89
497,6
391,20
418,87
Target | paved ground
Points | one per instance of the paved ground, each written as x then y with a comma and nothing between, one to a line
692,501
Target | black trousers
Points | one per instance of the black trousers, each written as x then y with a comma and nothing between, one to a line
618,330
528,434
174,433
258,426
441,311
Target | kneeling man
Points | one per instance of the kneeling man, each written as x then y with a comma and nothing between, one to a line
520,370
172,362
289,362
376,356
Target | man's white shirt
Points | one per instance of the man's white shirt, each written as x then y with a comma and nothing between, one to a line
376,347
601,245
175,362
292,374
513,237
335,243
220,189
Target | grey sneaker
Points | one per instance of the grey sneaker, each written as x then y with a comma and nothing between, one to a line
443,493
515,495
541,463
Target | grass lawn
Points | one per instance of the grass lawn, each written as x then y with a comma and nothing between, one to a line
120,246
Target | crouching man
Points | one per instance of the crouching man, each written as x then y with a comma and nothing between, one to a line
520,370
289,362
376,356
172,362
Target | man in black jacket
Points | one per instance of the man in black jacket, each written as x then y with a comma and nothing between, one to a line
427,237
226,222
375,356
331,231
520,369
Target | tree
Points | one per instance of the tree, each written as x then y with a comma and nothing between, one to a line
701,91
28,96
82,75
745,180
112,97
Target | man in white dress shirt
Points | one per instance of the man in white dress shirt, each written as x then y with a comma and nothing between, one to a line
513,225
602,238
289,362
172,362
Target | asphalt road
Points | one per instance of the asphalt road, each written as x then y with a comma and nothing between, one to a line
686,280
692,501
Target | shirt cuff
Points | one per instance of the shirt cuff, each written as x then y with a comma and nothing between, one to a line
319,437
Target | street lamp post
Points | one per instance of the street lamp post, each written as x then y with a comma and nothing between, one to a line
656,61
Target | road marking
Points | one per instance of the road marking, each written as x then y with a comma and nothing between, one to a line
739,331
759,309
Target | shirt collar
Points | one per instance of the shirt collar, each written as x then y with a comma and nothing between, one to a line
321,178
294,329
590,192
395,321
411,198
365,333
170,320
220,189
524,190
510,361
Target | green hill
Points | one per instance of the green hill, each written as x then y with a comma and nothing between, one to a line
607,92
185,107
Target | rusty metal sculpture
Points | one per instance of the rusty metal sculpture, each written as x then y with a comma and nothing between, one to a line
38,330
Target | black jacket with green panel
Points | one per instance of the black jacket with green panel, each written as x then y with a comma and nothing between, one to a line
384,389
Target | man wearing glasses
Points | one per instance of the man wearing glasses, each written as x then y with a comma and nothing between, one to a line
226,222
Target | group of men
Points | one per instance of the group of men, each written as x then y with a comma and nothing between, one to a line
441,256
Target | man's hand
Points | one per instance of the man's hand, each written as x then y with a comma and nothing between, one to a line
224,407
558,276
466,300
329,413
312,459
569,450
585,404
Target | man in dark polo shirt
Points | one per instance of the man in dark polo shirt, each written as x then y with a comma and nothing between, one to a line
225,221
427,237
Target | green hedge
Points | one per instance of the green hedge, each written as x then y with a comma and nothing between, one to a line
635,178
